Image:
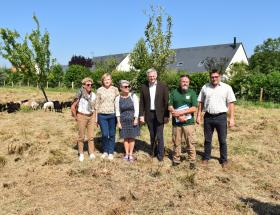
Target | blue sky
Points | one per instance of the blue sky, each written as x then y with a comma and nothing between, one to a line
95,28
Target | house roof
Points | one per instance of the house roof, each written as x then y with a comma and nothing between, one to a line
118,57
190,59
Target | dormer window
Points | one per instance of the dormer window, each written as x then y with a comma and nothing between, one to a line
179,64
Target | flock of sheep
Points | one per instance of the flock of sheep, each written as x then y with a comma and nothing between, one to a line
57,106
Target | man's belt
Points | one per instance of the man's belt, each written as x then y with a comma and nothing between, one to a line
217,114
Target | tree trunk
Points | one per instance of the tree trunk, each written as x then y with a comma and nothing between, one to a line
43,90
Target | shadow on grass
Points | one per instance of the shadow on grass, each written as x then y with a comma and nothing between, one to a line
119,147
262,207
201,154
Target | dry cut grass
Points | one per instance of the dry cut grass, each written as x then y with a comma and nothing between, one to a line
40,172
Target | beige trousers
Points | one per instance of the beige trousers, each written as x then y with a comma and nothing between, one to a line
85,123
186,132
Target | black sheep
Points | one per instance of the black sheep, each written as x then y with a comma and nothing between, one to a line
57,106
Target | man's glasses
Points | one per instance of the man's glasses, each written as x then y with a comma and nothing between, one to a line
89,85
126,86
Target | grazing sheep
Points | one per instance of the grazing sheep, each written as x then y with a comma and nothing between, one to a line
66,104
57,106
13,107
34,105
48,105
3,107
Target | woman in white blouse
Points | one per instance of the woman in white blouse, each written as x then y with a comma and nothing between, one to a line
82,110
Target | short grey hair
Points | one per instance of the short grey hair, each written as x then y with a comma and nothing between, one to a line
151,70
122,82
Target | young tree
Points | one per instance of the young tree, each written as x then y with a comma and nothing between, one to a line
140,57
30,56
266,57
159,42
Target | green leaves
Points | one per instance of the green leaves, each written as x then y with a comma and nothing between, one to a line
154,51
26,55
266,58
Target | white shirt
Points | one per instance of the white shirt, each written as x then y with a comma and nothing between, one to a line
135,104
216,99
83,104
152,89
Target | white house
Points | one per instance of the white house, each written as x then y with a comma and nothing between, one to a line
190,59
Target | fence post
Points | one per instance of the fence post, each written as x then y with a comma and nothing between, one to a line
12,84
261,95
4,83
59,84
72,85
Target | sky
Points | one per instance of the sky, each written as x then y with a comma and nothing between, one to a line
94,28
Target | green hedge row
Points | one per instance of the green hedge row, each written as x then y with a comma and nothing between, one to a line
248,86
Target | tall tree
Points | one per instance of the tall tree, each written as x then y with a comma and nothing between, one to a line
140,57
266,57
30,55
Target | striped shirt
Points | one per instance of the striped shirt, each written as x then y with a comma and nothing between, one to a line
216,99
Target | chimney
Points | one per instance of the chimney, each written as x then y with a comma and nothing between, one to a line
234,42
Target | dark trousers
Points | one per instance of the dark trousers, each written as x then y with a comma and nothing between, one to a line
107,123
218,122
156,133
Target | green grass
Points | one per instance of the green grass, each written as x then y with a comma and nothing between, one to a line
266,104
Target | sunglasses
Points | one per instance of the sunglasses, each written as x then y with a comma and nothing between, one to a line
89,85
126,86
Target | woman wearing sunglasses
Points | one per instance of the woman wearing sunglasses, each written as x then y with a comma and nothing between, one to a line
82,111
127,113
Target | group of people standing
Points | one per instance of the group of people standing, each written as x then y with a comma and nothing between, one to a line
110,107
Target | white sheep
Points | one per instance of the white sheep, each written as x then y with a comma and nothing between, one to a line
48,105
34,105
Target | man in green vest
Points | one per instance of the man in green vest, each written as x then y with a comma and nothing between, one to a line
182,105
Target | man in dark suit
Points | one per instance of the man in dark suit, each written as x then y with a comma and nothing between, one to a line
154,111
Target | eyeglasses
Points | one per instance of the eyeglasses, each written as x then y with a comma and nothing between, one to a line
89,85
126,86
214,77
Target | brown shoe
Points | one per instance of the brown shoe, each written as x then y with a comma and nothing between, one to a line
204,162
225,164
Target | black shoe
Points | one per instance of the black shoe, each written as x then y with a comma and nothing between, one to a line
192,165
174,163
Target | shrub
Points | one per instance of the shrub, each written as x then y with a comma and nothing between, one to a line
76,73
119,75
171,79
198,79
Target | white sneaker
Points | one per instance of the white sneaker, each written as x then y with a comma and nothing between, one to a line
104,155
111,157
91,156
81,157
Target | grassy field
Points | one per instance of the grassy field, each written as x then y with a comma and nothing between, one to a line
40,172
